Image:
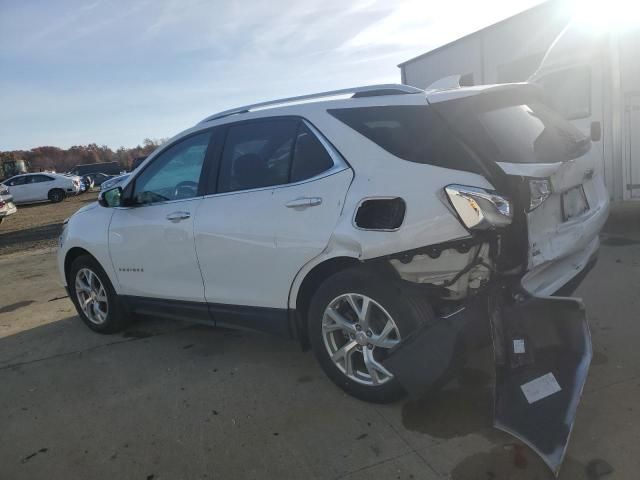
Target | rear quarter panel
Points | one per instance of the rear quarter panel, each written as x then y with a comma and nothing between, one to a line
429,219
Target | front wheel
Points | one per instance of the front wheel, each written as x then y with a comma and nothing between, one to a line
94,297
355,318
56,195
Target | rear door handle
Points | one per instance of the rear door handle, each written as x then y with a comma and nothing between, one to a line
175,217
304,202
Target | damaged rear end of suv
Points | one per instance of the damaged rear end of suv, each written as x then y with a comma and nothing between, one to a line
528,200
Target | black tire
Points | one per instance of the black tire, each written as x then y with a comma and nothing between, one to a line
407,309
117,318
56,195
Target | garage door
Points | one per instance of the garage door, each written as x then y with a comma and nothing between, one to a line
632,145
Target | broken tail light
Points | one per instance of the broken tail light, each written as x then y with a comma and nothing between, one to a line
480,209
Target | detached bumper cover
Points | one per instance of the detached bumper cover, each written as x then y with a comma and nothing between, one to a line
542,350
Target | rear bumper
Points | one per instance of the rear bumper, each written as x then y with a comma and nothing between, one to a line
9,209
551,278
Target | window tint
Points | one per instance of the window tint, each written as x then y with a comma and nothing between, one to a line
310,158
17,181
569,92
412,132
257,154
38,179
175,173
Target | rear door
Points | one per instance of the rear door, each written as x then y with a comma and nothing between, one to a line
272,207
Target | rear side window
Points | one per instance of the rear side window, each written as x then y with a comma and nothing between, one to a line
39,179
310,158
412,132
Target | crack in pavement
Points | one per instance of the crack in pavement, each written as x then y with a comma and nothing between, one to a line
90,349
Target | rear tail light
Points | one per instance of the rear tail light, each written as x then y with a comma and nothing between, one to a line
539,191
480,209
2,203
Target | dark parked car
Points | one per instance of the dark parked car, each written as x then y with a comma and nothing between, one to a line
109,168
137,161
97,179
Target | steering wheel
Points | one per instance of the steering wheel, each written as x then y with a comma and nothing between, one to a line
186,189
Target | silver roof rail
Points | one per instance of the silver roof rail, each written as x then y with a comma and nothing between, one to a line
367,91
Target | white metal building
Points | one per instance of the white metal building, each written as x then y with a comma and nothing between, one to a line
592,78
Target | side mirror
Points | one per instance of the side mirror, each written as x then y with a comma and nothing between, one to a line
596,131
111,198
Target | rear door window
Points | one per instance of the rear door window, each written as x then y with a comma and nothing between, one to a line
415,133
39,179
257,155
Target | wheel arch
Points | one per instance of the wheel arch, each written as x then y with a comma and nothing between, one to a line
303,291
57,188
74,253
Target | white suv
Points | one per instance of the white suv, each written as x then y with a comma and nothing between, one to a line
39,187
348,223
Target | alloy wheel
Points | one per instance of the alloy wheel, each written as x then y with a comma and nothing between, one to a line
358,332
92,296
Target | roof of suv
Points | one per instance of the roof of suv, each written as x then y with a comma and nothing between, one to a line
355,92
383,90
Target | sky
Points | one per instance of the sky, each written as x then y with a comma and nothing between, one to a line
115,72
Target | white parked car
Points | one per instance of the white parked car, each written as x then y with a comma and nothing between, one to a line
38,187
371,227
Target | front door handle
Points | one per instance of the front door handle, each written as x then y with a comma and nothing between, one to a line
175,217
304,202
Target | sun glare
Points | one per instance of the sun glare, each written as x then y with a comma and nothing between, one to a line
610,15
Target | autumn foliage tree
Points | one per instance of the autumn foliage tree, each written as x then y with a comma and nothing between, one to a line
63,160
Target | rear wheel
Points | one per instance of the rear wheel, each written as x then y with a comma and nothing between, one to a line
355,318
94,297
56,195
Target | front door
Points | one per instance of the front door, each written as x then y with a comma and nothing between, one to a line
18,188
274,206
151,239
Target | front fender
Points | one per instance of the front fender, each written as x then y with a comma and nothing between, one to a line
88,229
